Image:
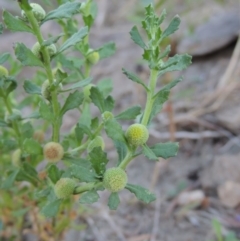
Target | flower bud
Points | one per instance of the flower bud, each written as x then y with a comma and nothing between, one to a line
93,57
53,152
3,71
38,12
64,188
16,158
115,179
96,142
36,49
107,115
45,90
39,136
137,134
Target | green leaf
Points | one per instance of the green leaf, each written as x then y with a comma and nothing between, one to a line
4,57
74,39
113,201
175,63
114,130
1,31
8,84
141,193
3,123
85,118
165,53
8,182
26,56
109,103
54,173
105,86
74,100
147,152
15,24
46,111
83,172
31,88
173,26
30,171
134,78
66,10
107,50
136,37
121,150
31,146
89,197
97,98
99,160
51,209
129,114
80,84
52,40
165,150
88,20
161,97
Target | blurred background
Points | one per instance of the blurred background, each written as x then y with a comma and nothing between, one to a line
198,192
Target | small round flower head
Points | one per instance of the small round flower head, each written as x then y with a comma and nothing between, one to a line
53,151
45,90
39,136
93,57
16,158
107,115
96,142
115,179
36,49
3,71
38,12
64,188
86,92
137,134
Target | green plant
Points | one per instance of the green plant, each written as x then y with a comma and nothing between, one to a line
82,151
217,227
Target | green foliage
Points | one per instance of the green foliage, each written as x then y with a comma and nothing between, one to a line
62,83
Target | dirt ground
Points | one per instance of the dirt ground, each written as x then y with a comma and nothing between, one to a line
205,121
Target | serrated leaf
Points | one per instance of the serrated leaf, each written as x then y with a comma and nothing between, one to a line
176,63
80,84
173,26
107,50
105,86
134,78
8,182
8,84
31,146
141,193
73,101
15,24
88,20
51,209
121,150
31,88
165,150
46,111
89,197
99,160
136,37
114,130
109,103
129,114
113,201
165,53
74,39
54,173
26,56
4,57
147,152
30,171
85,118
66,10
83,172
52,40
97,98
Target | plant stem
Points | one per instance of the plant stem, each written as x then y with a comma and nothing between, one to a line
150,94
128,158
47,65
87,187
